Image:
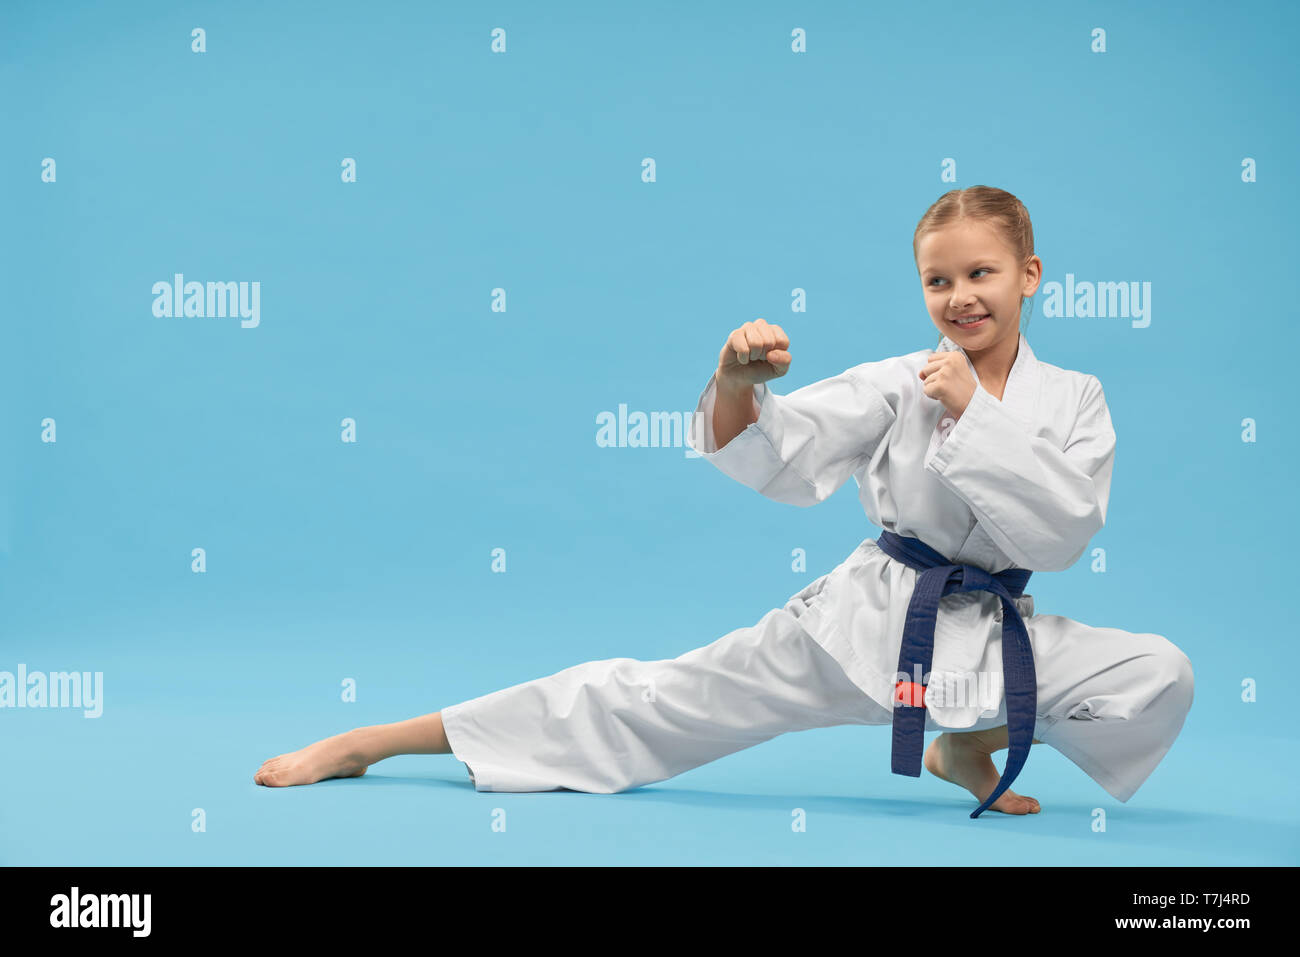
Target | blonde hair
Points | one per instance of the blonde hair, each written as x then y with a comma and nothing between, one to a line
989,205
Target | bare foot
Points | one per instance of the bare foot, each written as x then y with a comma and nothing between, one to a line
338,757
964,758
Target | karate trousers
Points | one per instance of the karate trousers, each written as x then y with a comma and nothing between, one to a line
620,723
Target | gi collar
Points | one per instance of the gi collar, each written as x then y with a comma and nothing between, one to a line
1020,397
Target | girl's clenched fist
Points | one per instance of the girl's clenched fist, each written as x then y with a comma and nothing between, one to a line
754,353
947,378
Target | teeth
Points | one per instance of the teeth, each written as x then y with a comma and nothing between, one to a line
966,322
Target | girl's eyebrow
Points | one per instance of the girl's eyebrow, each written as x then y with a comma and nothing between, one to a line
979,264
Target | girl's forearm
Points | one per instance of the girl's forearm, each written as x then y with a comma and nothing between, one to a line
733,410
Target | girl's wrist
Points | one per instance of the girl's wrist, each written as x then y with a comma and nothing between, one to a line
729,386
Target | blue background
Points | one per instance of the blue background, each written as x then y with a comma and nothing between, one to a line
476,429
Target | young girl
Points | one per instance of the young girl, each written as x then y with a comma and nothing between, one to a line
981,463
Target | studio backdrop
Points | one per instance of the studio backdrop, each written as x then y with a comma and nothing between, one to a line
349,354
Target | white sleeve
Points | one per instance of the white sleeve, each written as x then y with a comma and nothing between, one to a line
805,445
1041,505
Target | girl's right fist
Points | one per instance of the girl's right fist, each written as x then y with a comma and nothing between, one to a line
754,353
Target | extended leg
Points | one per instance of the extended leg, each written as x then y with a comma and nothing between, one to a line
347,755
611,725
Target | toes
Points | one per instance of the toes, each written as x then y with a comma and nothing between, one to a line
1012,803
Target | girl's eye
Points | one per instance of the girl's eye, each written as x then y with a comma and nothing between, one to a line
940,278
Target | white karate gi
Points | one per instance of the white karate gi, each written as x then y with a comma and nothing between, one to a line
1021,482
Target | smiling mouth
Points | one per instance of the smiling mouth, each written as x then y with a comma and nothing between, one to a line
978,320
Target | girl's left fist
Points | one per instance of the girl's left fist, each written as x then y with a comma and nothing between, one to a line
948,379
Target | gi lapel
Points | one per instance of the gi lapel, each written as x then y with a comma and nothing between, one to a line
1020,397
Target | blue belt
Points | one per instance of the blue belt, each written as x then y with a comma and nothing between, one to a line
938,577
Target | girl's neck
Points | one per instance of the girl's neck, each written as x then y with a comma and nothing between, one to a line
993,365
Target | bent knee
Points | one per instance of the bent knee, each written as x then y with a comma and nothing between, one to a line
1173,671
